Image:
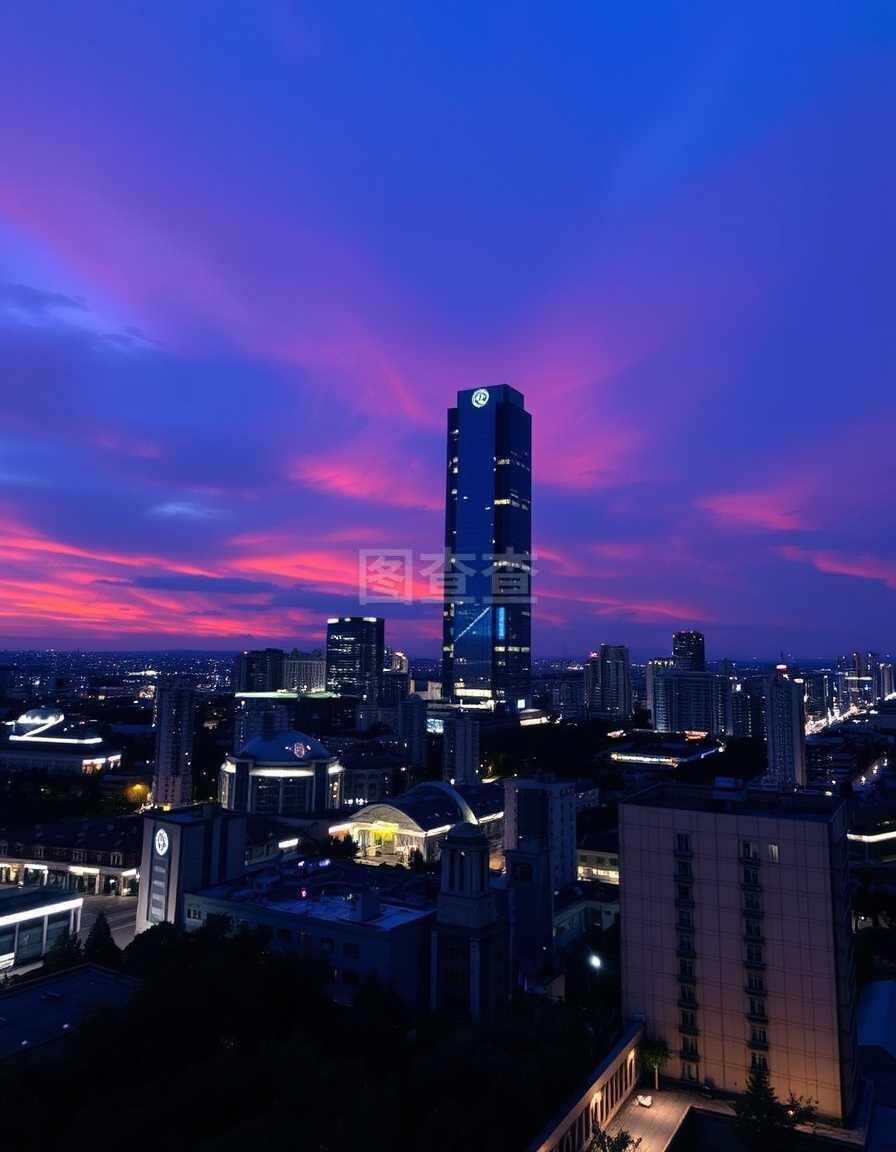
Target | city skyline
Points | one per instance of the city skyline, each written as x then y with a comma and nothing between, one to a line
227,371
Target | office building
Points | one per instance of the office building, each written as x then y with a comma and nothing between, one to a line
287,775
785,721
259,671
608,682
470,948
355,650
488,540
397,661
688,651
691,702
175,711
44,741
304,671
395,685
183,850
737,938
543,810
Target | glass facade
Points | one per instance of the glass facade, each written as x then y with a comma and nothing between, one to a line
488,541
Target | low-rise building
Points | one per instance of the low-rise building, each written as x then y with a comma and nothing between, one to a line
44,741
31,922
358,931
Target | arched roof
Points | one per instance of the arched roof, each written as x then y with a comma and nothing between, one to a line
436,804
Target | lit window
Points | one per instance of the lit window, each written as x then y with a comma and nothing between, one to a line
773,853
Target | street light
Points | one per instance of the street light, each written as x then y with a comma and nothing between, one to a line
595,961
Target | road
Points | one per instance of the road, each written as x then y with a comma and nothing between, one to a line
120,911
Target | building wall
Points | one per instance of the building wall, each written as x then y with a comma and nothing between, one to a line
607,1089
806,965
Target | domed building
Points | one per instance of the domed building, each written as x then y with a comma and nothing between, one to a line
420,819
286,774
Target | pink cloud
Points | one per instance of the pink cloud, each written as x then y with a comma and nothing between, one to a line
862,566
759,509
359,474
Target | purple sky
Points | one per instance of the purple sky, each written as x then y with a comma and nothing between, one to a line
248,254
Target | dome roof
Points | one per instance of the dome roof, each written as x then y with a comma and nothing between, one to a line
285,748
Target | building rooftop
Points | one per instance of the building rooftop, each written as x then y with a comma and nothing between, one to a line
33,897
42,1011
281,890
737,801
285,748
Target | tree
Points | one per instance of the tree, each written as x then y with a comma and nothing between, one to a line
99,947
655,1055
623,1141
762,1121
66,952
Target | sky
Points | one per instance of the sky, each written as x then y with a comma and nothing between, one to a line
250,252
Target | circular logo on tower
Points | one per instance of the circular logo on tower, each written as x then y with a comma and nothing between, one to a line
299,751
161,841
480,398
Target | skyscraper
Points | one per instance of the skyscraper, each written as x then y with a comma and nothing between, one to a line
691,702
608,678
355,649
654,668
259,671
689,652
785,722
488,542
172,783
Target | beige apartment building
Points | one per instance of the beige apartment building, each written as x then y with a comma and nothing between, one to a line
736,938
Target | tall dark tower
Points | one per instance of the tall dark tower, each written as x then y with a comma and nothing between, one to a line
488,544
689,652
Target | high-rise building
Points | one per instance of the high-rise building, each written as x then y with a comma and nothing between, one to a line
688,651
785,724
355,652
488,541
395,685
305,671
544,810
259,671
263,714
691,702
748,708
608,682
172,782
460,748
653,669
396,661
412,730
736,937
